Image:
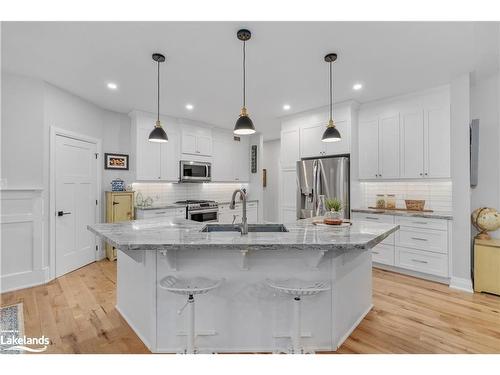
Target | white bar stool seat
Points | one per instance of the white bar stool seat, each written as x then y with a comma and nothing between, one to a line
298,289
189,288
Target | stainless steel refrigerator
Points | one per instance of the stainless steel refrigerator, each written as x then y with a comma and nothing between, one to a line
325,176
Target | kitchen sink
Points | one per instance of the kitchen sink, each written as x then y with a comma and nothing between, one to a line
251,228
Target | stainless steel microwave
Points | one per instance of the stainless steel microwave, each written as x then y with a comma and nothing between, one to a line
195,171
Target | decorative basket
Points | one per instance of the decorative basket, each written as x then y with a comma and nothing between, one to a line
117,185
414,204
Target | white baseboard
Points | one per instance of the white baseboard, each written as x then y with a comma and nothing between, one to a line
22,280
461,284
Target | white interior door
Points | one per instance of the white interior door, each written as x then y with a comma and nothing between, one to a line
75,201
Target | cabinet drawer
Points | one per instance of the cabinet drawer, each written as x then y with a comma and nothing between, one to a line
422,261
373,217
429,240
383,254
416,222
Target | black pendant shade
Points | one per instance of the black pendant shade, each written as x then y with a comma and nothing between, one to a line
244,124
158,134
331,133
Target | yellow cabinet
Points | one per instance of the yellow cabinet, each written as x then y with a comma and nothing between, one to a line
119,207
487,266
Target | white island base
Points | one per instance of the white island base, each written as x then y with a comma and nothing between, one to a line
244,314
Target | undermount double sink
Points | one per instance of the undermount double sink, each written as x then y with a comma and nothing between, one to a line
252,228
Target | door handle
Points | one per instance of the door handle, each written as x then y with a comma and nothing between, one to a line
116,203
62,213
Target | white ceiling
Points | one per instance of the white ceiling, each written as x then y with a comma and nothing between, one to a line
284,62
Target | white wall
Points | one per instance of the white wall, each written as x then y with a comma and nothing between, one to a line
271,162
460,174
22,131
29,108
484,99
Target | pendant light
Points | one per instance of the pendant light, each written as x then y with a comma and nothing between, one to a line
244,124
158,134
331,133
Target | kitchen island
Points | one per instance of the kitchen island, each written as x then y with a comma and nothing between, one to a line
244,314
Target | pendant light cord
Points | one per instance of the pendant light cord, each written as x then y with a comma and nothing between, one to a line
331,93
244,74
158,88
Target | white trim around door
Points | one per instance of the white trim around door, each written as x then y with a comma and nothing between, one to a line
54,133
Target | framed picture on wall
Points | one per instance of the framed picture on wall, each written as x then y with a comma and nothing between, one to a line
116,161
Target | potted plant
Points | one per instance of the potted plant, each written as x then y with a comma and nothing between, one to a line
335,208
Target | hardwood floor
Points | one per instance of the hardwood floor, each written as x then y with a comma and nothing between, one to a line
410,315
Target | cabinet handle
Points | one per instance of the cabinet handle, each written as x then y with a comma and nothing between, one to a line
419,261
420,222
160,213
375,252
372,218
421,174
419,239
425,174
115,203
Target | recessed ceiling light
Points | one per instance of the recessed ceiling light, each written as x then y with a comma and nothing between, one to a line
189,107
286,107
357,86
112,86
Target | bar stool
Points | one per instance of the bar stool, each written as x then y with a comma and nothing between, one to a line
298,289
189,287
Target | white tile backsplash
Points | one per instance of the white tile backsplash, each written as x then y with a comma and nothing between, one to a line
165,193
437,194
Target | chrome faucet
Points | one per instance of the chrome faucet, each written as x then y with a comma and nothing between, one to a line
232,206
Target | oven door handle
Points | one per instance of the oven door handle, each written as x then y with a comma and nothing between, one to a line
202,211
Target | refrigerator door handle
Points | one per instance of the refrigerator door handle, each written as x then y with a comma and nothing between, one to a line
315,185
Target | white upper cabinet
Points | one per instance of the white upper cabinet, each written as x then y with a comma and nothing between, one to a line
413,141
204,145
230,162
311,144
368,149
188,143
154,161
437,142
412,144
290,153
388,149
310,141
196,144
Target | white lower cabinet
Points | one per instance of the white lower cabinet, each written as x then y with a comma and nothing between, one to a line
383,254
152,213
421,244
422,261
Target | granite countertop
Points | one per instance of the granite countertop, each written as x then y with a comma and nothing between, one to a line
431,215
177,234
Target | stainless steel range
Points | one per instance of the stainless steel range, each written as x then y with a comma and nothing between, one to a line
201,210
